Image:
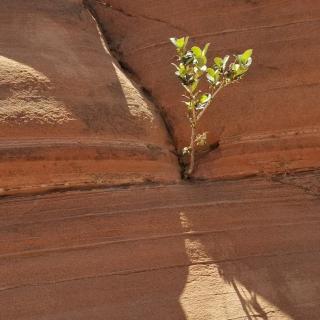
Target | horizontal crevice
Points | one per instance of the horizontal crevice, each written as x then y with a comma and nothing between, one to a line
155,269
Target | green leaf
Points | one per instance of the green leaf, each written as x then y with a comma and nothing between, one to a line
182,71
213,76
225,60
201,61
218,61
194,86
180,43
197,52
246,55
203,101
241,71
205,49
205,98
238,70
235,67
211,72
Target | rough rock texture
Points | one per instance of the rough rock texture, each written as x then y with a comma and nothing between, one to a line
68,114
69,117
228,250
268,122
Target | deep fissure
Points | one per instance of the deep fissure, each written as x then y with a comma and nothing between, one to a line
133,76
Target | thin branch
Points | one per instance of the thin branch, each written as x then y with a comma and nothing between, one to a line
192,141
204,109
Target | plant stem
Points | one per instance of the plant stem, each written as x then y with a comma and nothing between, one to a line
192,141
213,95
191,165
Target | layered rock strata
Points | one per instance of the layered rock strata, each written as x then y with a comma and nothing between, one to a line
69,116
245,249
267,123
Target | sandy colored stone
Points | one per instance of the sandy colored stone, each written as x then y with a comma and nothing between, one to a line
212,250
69,116
269,121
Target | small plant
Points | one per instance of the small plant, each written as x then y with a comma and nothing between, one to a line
193,73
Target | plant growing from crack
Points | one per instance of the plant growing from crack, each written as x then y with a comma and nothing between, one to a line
193,73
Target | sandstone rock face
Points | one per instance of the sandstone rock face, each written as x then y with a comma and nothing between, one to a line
245,249
70,117
68,114
267,123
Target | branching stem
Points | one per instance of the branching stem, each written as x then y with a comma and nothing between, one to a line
213,95
191,70
193,122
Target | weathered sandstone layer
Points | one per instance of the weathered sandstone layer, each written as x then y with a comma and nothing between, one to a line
68,114
229,250
197,250
267,123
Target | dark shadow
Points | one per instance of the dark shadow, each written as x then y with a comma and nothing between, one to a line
107,254
257,260
162,252
54,53
250,305
264,249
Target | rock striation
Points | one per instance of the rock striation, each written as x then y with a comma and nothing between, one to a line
246,249
267,123
69,116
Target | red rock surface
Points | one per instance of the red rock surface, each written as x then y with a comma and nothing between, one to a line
68,114
245,249
70,118
268,122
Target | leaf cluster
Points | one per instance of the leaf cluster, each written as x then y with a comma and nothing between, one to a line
195,72
192,66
